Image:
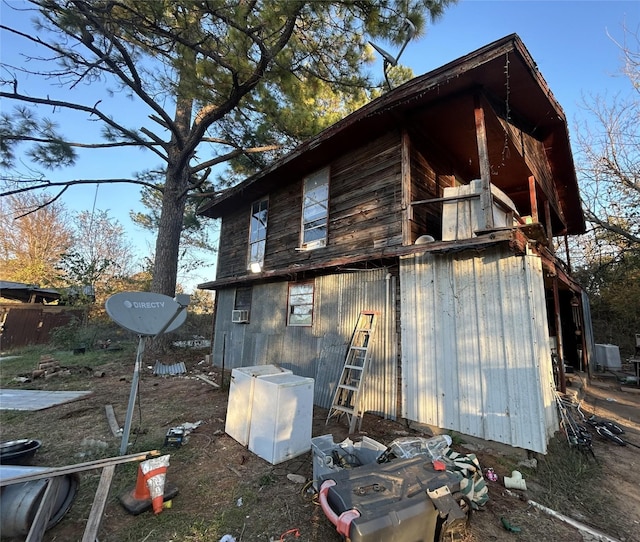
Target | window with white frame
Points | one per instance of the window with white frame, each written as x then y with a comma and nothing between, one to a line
257,235
300,304
315,210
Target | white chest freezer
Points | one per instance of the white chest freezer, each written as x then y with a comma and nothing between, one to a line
282,417
241,396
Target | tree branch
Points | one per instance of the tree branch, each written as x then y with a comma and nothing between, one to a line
48,184
85,109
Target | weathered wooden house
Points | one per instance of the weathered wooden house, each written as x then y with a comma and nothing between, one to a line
436,205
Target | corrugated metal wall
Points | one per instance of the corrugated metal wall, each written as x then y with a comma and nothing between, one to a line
475,350
318,351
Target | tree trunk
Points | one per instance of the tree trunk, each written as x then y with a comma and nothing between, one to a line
179,152
165,269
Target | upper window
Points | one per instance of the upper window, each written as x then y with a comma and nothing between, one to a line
300,304
257,235
315,210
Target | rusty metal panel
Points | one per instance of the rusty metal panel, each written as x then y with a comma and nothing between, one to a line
475,355
32,324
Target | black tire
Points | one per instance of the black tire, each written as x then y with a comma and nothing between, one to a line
604,432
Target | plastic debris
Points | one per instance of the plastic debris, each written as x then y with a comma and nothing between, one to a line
515,481
227,538
509,527
491,475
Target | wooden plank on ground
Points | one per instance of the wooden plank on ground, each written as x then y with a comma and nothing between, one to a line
99,502
208,381
113,423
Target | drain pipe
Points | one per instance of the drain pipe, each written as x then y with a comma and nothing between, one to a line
599,536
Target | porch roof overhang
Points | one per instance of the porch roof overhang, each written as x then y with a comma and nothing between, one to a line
502,71
514,238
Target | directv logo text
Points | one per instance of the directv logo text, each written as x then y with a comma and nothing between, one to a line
144,304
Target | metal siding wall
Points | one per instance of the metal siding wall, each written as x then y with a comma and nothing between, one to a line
318,351
474,355
342,297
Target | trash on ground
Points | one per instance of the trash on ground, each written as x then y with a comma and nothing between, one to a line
296,478
515,481
491,475
509,527
179,435
169,370
407,447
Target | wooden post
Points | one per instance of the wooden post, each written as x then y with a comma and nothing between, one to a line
533,198
483,160
547,216
405,175
556,310
566,249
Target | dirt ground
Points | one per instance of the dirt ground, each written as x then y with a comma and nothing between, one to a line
226,489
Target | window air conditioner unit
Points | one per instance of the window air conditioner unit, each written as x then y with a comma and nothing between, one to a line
240,317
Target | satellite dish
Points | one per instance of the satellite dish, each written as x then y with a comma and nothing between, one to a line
146,313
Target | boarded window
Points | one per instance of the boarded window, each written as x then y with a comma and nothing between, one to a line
243,299
315,210
257,235
300,304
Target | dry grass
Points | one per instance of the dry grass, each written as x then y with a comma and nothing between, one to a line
213,472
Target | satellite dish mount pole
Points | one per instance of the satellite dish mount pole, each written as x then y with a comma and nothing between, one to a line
132,395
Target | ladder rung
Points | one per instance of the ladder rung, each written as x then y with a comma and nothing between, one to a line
353,367
342,409
357,348
346,387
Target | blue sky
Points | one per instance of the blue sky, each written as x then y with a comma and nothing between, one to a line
567,39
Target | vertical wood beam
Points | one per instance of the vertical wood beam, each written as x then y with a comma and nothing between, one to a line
566,249
486,203
556,309
533,198
405,174
547,217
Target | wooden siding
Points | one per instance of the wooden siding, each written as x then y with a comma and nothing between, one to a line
427,184
364,213
317,351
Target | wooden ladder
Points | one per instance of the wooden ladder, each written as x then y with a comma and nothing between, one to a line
346,399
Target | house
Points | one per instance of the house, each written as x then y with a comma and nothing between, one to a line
436,205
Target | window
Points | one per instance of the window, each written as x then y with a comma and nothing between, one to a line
243,298
257,235
300,304
315,210
242,306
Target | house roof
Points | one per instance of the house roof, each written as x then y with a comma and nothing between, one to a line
438,103
19,291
